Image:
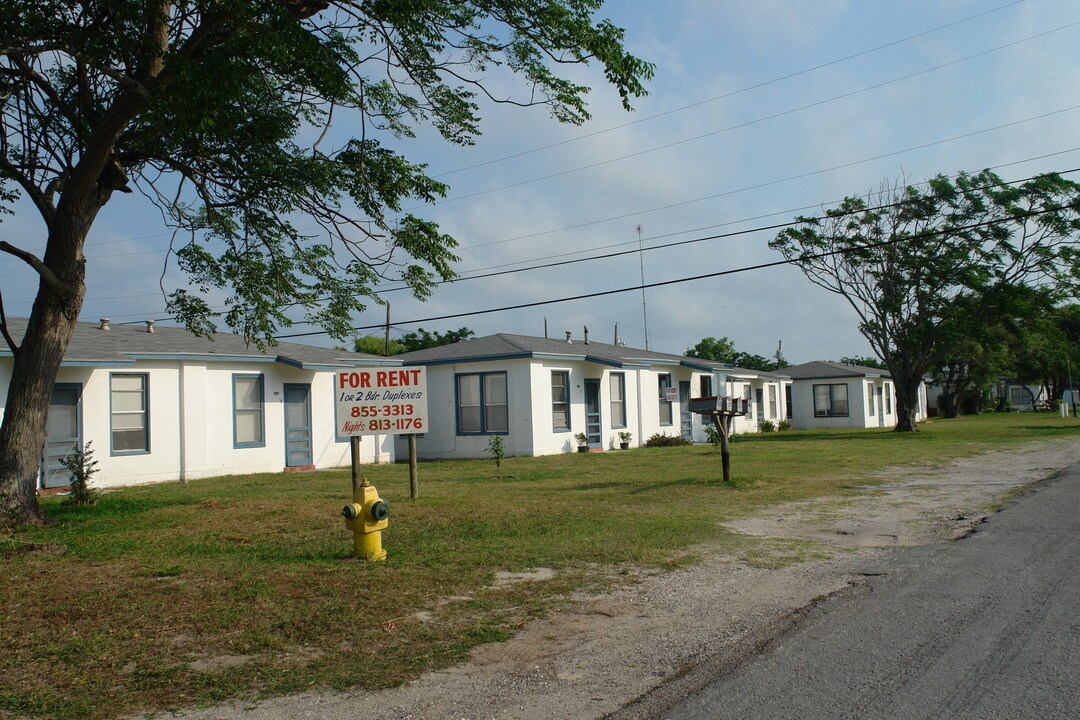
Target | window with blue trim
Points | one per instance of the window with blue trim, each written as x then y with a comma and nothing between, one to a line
617,392
248,402
482,403
560,400
665,404
129,416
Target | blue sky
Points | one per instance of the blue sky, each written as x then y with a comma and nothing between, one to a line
758,112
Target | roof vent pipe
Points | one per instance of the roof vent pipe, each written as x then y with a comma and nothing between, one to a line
104,324
586,334
568,340
150,326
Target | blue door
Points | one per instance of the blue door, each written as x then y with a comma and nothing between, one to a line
63,434
298,425
592,412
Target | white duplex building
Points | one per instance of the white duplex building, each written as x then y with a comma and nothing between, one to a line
167,405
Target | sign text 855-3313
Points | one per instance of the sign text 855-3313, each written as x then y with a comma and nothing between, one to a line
378,401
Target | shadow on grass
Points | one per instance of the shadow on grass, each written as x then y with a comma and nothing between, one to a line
823,437
1072,428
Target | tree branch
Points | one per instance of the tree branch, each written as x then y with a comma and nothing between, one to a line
4,328
61,287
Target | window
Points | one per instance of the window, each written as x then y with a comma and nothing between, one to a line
130,429
248,411
787,401
888,399
831,400
773,412
1018,396
617,391
560,400
706,386
481,399
870,398
747,393
665,404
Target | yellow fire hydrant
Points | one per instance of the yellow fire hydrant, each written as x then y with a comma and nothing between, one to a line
367,518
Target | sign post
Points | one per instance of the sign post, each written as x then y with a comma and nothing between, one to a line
381,401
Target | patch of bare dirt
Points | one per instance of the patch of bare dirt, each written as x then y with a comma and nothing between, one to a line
604,651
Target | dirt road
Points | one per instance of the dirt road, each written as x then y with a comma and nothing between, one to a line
603,652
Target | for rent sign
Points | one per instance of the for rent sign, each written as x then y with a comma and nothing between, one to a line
381,401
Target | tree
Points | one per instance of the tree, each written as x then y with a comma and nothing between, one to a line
902,256
723,351
375,345
864,361
422,339
1048,350
245,123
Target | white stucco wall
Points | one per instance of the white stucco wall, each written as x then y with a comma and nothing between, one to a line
859,412
190,421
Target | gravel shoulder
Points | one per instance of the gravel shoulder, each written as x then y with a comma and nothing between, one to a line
620,654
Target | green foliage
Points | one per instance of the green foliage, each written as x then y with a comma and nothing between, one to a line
582,440
723,351
422,339
714,436
221,114
82,466
783,425
660,440
766,426
906,258
375,345
864,360
625,436
497,448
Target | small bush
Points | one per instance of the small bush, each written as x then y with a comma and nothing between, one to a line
497,450
766,426
714,436
783,425
82,466
660,440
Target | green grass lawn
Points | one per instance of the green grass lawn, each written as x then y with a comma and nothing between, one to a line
179,594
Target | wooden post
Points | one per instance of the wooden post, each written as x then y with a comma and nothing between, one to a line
354,451
414,484
722,423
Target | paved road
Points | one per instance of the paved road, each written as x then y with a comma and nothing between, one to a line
985,628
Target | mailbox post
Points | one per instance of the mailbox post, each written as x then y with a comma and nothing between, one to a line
720,409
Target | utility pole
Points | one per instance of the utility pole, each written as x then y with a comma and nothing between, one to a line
386,350
641,263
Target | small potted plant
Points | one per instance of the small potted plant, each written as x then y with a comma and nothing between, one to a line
624,439
582,442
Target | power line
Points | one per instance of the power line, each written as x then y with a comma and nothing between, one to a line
663,246
733,93
679,281
748,123
779,181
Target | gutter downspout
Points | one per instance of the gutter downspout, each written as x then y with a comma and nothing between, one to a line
182,422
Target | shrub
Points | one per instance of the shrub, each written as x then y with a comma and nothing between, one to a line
714,436
82,466
783,425
660,440
497,450
766,426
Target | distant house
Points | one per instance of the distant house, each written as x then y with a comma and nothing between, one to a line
539,393
832,395
1015,395
161,404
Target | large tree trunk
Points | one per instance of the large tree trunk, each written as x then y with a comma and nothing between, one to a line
22,434
907,402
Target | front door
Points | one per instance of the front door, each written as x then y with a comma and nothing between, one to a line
881,406
759,396
592,412
297,425
684,409
63,434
